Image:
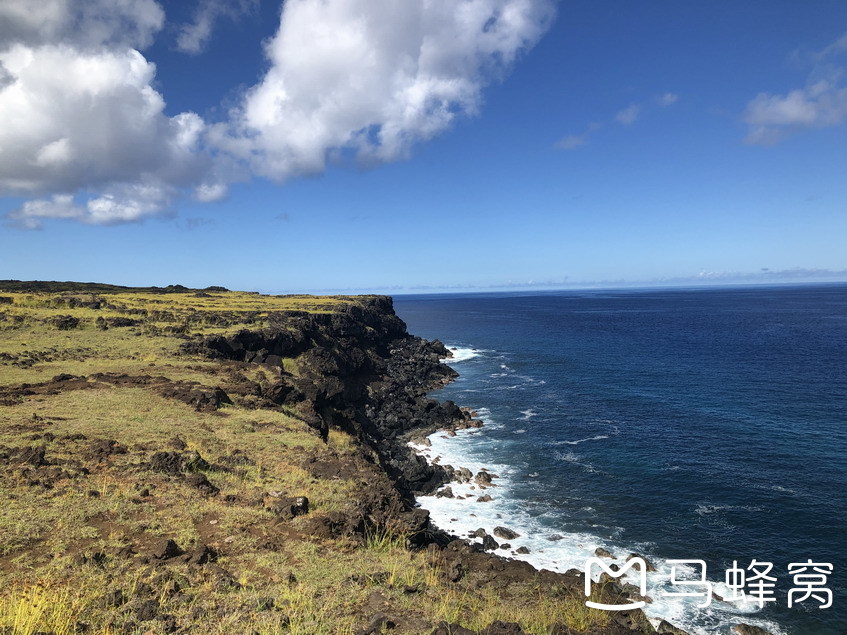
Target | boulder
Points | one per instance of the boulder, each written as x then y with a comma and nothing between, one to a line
670,629
463,474
287,507
483,479
201,482
164,549
65,322
506,533
201,554
649,564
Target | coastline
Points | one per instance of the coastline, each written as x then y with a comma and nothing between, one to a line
293,433
457,508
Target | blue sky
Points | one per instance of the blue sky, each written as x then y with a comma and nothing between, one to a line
555,144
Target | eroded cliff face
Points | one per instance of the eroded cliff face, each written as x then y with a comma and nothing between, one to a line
357,369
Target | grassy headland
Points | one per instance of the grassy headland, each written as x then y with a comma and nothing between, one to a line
178,460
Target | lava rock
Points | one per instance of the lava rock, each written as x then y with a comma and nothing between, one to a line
506,533
488,543
164,549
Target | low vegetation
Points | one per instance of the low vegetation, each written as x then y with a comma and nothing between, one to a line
135,499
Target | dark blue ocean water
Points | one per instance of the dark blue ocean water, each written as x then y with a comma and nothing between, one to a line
708,424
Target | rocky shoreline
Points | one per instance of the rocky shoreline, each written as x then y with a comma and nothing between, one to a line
362,372
262,462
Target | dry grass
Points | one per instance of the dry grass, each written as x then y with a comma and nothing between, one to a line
60,554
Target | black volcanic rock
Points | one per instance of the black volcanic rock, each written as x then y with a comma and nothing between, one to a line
360,371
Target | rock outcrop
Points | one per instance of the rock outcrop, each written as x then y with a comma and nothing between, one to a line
359,370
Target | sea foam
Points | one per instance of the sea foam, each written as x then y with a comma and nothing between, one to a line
552,547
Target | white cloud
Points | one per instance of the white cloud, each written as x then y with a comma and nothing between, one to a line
116,204
772,117
85,134
625,117
85,23
571,142
374,77
629,115
667,99
210,192
29,215
194,37
821,103
91,120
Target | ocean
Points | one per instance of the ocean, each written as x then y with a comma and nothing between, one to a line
693,424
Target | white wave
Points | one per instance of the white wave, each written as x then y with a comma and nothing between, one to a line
599,437
519,431
527,414
563,550
462,354
707,509
575,459
784,490
777,488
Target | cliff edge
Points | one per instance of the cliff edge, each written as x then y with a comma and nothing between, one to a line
178,460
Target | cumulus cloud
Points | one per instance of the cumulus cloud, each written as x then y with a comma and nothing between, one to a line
86,135
821,103
194,36
373,77
85,23
82,120
122,203
87,119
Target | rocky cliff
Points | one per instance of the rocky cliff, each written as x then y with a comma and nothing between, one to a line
255,480
356,369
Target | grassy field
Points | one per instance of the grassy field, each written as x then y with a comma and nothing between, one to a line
100,536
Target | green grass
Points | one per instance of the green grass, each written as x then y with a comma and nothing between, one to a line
51,576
